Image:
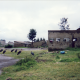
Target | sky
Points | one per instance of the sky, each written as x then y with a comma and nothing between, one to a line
18,17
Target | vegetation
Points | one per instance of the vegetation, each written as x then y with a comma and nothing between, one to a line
37,40
32,35
43,39
63,24
8,46
44,65
73,49
40,39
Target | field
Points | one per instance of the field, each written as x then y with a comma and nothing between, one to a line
44,65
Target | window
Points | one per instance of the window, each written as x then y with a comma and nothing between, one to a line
74,39
66,39
58,39
51,40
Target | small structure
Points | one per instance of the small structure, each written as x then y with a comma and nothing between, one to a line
22,43
11,43
2,43
61,39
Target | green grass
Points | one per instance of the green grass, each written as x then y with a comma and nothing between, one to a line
20,47
73,49
44,66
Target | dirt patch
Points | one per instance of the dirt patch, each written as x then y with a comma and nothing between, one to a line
43,60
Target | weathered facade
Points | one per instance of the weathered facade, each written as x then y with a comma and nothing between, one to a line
11,43
40,43
2,43
61,39
21,44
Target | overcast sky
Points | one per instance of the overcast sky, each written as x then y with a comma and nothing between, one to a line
18,17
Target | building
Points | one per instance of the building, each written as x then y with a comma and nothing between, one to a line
40,43
2,43
21,43
61,39
11,43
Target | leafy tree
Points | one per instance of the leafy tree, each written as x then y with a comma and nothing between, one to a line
63,24
32,35
34,40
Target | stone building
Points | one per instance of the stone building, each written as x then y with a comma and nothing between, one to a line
40,44
2,43
21,43
61,39
11,43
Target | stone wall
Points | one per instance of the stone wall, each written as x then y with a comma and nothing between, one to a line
60,39
18,44
40,43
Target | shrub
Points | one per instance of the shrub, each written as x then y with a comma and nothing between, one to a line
78,54
27,62
70,60
8,46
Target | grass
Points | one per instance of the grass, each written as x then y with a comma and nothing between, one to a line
44,66
21,47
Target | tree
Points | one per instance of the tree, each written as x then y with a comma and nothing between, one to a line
40,39
34,40
43,39
32,35
37,40
63,24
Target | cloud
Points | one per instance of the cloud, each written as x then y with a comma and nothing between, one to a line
18,17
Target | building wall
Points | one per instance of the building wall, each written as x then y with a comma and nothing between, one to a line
2,42
40,43
11,43
62,44
18,44
22,44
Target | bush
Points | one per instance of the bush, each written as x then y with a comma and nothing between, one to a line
27,62
8,46
70,60
78,54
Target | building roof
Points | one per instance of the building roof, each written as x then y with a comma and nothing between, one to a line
24,42
18,42
64,30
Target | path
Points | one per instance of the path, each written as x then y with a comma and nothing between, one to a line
6,61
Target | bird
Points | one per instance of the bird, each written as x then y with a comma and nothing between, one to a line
19,52
4,51
1,50
15,50
12,50
32,53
